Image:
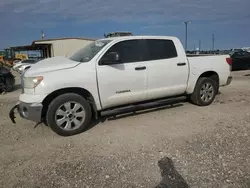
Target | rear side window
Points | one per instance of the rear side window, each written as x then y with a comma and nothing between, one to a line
160,49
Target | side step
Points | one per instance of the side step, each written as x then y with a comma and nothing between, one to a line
142,106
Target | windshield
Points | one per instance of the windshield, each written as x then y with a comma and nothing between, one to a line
88,52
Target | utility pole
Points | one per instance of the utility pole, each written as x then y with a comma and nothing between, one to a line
213,41
199,45
186,34
42,34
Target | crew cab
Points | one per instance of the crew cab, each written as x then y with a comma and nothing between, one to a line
116,75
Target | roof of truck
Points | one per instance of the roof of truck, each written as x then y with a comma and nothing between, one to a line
139,37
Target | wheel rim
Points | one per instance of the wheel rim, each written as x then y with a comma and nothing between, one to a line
70,116
207,92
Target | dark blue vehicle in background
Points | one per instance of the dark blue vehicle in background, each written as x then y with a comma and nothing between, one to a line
7,80
241,60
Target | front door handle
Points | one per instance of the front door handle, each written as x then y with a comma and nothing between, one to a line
181,64
140,68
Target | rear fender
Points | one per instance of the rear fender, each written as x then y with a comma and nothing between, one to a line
192,83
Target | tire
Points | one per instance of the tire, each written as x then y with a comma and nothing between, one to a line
10,83
205,88
57,113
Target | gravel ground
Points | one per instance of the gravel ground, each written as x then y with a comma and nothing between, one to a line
182,146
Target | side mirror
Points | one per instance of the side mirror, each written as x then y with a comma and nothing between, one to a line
110,58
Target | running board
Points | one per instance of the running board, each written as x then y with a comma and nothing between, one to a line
142,106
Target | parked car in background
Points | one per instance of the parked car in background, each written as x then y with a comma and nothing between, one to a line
117,75
7,80
24,64
232,51
246,49
15,62
241,60
25,67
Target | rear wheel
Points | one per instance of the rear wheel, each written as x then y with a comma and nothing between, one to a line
204,92
69,114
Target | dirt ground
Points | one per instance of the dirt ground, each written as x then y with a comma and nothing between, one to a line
181,146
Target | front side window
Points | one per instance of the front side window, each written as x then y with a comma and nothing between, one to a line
129,51
160,49
88,52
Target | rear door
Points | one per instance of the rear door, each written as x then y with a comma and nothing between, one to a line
124,82
167,70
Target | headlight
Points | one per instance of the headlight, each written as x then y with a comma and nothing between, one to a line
32,82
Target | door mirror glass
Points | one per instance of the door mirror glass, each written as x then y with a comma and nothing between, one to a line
111,58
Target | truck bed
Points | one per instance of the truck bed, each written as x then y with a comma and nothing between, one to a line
214,63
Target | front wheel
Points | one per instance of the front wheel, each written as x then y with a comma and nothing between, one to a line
204,92
69,114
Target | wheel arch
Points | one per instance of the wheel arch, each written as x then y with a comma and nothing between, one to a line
211,74
207,74
80,91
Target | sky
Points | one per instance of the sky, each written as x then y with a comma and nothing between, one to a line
229,20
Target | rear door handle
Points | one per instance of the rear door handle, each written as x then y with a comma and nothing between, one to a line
140,68
181,64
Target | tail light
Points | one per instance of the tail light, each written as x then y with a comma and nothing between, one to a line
229,61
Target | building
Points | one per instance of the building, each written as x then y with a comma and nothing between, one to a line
55,47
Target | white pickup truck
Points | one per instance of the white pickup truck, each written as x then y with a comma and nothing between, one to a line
116,75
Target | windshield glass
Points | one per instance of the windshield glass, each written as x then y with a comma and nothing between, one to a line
88,52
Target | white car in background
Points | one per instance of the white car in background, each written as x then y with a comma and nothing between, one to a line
24,64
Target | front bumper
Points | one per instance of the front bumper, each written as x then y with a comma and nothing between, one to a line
29,111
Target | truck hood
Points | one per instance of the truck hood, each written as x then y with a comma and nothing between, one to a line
51,64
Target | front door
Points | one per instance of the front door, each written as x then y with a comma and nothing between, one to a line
124,82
